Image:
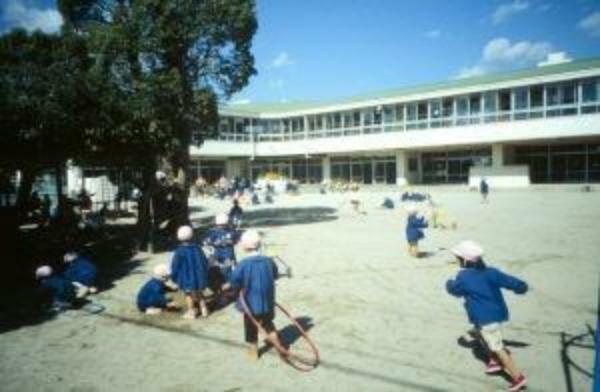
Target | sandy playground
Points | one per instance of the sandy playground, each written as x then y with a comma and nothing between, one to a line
382,320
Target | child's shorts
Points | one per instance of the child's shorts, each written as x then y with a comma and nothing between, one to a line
493,336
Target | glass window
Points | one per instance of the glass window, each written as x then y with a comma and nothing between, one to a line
536,95
462,106
589,90
356,118
319,122
436,108
504,100
347,119
399,112
388,114
475,104
568,94
447,107
422,110
552,95
368,117
489,99
377,115
411,111
521,98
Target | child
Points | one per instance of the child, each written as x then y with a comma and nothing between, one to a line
235,214
480,286
189,270
61,290
256,275
414,232
81,273
222,239
484,189
152,299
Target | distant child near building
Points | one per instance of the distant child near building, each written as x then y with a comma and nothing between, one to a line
235,214
58,288
481,286
189,270
414,230
81,272
484,189
256,275
152,298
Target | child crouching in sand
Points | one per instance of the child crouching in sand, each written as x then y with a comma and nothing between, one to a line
152,297
256,275
481,286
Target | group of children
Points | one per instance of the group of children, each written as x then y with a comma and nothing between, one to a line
480,287
78,279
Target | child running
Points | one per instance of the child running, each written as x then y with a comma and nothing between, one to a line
414,232
80,271
189,270
255,276
480,286
152,297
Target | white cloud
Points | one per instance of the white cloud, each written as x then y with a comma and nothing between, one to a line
433,34
281,60
500,54
20,13
591,24
506,11
276,84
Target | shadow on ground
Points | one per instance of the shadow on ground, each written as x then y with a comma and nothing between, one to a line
22,303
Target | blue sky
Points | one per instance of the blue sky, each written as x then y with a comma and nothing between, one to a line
324,49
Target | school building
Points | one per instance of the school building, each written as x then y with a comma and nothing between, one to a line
538,125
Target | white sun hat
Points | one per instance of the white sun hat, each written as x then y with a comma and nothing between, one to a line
161,175
185,233
250,239
161,271
43,272
468,250
411,209
69,257
221,219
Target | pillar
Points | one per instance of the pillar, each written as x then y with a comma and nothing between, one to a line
401,168
326,162
497,155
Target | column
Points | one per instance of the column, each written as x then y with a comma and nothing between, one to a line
75,180
326,162
401,168
497,155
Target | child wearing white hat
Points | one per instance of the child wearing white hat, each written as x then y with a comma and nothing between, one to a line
189,270
60,289
414,229
480,286
152,298
256,275
81,272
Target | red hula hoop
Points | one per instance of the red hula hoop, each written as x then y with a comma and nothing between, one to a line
292,359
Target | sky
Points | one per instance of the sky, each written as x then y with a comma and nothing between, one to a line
311,50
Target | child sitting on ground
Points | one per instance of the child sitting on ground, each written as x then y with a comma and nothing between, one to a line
255,276
481,286
152,297
59,289
414,232
81,273
189,270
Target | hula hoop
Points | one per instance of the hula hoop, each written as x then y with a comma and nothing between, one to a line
296,361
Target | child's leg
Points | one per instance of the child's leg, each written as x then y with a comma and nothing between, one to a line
493,337
202,305
251,337
190,301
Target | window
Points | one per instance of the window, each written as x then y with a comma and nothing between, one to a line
568,94
422,108
552,96
377,115
489,99
388,114
504,100
589,90
357,118
447,107
411,111
462,106
436,108
399,113
536,96
475,104
521,98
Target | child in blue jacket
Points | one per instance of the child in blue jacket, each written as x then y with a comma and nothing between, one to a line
481,286
189,270
81,272
152,298
222,238
59,288
256,275
414,230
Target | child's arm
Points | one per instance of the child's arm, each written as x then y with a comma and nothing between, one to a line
510,282
455,287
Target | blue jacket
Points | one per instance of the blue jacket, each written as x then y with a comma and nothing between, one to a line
62,290
481,289
484,187
256,275
152,295
81,270
223,240
189,267
413,228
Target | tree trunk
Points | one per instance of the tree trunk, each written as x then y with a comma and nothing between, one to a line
145,221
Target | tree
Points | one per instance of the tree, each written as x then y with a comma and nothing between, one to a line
172,60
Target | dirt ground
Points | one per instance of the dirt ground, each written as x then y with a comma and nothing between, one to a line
382,320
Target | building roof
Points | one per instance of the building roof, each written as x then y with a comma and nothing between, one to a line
255,109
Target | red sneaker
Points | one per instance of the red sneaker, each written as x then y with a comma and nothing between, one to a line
518,383
492,367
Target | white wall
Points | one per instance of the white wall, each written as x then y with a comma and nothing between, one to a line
562,127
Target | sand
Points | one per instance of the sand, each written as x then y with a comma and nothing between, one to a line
382,320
